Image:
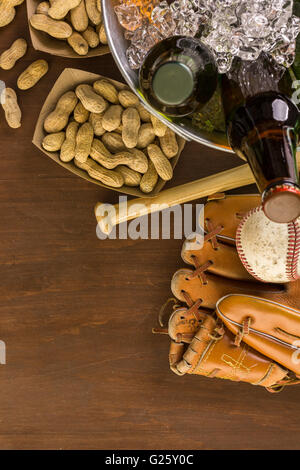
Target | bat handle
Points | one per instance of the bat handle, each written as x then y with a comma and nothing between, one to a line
108,216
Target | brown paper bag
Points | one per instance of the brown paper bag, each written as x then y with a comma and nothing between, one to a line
68,80
45,43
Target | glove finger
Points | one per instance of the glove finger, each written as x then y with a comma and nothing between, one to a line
223,261
183,324
269,327
218,254
216,287
228,212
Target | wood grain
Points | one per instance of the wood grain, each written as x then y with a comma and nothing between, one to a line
83,369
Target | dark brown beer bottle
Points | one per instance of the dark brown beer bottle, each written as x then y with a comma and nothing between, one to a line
179,76
263,127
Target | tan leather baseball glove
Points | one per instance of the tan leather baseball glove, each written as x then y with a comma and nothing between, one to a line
227,324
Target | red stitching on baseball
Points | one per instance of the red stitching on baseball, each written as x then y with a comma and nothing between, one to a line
296,254
290,251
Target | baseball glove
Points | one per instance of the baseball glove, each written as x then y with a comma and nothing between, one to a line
227,324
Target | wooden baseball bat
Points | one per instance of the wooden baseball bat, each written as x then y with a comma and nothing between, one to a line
224,181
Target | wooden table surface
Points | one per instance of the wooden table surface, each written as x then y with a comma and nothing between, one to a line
83,369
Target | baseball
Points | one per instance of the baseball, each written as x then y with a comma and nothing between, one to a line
269,251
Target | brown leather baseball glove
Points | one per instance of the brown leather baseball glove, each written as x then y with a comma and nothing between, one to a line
227,324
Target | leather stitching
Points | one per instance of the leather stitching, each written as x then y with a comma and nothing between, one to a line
238,364
203,358
267,374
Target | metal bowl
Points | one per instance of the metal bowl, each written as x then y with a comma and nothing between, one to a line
118,46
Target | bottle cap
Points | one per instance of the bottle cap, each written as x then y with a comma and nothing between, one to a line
281,203
173,83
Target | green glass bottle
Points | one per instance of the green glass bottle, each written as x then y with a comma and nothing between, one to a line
178,76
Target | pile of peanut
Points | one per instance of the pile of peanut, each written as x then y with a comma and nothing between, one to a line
79,22
109,134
